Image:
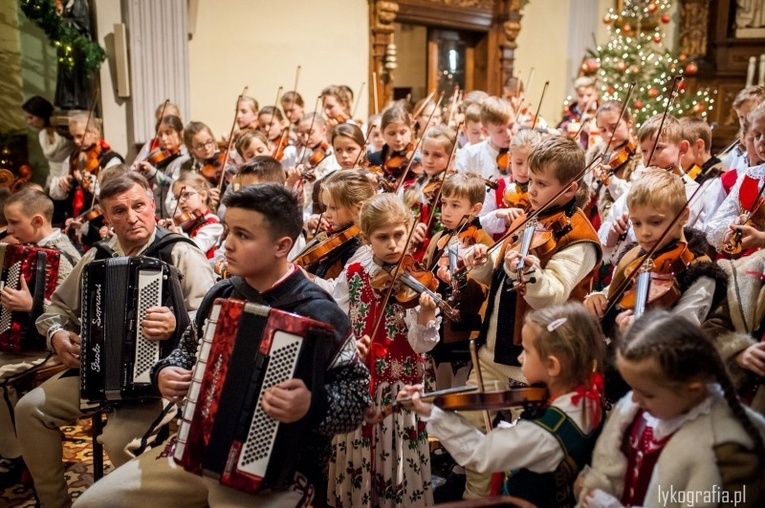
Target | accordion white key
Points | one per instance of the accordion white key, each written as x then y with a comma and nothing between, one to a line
117,358
246,349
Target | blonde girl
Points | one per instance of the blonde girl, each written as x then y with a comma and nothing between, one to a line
562,348
385,463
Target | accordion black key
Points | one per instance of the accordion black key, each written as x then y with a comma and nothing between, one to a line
39,267
246,349
117,358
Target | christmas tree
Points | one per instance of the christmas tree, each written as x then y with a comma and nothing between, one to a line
635,52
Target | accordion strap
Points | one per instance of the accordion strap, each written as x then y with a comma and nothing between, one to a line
38,292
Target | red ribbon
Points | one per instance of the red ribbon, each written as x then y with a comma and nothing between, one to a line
593,391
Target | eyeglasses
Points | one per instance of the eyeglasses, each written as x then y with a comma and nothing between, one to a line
186,195
202,146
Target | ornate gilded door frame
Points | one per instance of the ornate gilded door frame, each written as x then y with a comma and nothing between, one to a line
499,19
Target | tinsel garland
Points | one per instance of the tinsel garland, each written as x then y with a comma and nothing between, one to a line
73,49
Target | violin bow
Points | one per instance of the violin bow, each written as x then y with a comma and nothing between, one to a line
527,87
96,93
310,130
627,280
273,116
675,80
419,142
297,76
180,195
364,147
230,143
424,104
539,106
358,99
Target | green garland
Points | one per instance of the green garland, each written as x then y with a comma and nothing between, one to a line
73,49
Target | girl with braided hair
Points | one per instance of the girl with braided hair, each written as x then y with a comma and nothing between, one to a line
681,437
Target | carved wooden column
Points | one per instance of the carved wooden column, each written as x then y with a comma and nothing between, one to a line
382,14
503,33
694,22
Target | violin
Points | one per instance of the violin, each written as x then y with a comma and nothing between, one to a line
516,196
413,280
383,184
189,220
323,245
503,160
656,285
530,398
213,168
617,159
85,161
319,154
396,164
279,148
160,158
733,246
334,122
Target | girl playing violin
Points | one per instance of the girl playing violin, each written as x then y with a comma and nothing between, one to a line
336,103
421,195
387,459
204,157
682,424
347,143
247,113
272,125
294,108
511,198
194,219
398,149
563,348
169,148
620,165
342,193
164,109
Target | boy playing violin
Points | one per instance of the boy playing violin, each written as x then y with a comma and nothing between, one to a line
666,153
498,119
462,198
562,269
654,201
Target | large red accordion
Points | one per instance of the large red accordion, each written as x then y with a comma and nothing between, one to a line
224,432
39,267
117,358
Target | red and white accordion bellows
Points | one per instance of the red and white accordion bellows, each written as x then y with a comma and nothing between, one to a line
117,358
39,266
224,432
